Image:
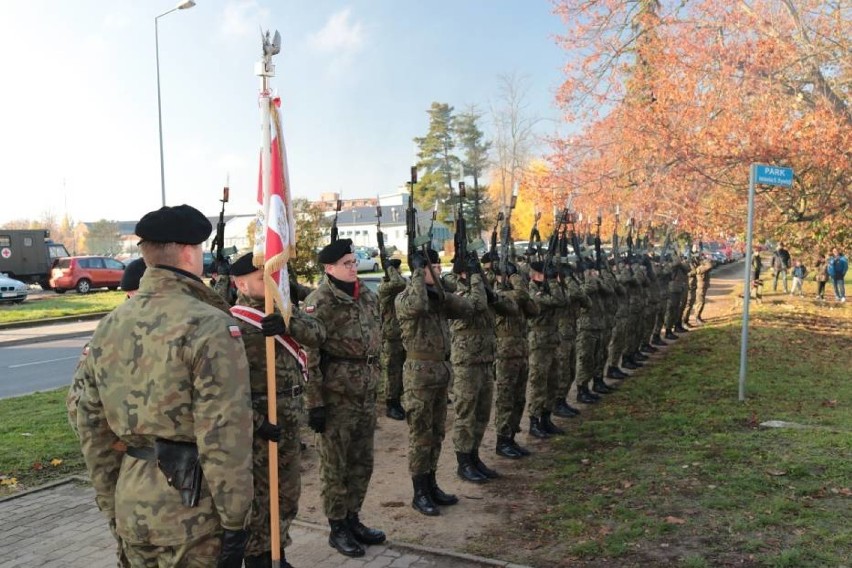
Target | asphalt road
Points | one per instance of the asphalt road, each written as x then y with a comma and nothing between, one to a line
32,367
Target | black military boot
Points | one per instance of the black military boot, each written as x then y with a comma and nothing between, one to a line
483,469
363,533
628,363
422,501
600,387
670,335
284,563
565,410
467,470
395,410
522,450
341,539
649,348
549,426
437,494
658,340
537,428
259,561
584,396
615,373
639,357
506,449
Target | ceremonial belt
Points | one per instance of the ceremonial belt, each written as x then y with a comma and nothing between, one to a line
424,356
368,359
252,317
291,393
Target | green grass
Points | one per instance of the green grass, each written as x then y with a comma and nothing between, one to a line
675,470
69,304
34,430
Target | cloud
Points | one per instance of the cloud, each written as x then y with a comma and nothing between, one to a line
339,36
242,18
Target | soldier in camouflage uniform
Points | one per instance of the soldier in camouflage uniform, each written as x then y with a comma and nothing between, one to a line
166,375
677,287
703,272
511,362
283,429
692,288
393,353
664,276
567,325
610,304
473,343
620,332
422,310
543,337
590,348
652,300
341,395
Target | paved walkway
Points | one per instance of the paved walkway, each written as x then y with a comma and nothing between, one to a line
59,526
16,335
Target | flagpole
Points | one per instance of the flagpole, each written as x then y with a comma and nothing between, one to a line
265,69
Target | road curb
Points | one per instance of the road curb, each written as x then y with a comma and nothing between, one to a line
44,338
50,321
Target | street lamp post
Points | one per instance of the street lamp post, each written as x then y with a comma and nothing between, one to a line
185,5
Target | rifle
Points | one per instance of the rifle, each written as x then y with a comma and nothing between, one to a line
380,236
598,252
553,241
334,231
223,267
534,246
506,241
630,226
460,237
411,218
492,250
615,250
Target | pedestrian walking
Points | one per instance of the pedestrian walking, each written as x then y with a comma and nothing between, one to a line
837,267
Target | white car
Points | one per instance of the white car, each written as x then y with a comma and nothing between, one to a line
12,290
367,263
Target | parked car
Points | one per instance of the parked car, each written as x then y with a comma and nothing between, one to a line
85,273
372,282
366,263
12,290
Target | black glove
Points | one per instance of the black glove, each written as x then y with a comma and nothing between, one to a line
459,265
269,431
316,419
272,325
511,268
432,293
294,293
233,548
473,266
492,296
417,260
550,272
395,262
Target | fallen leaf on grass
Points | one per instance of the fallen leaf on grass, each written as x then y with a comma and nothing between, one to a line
829,403
776,472
626,484
25,434
56,462
675,520
38,466
8,481
392,504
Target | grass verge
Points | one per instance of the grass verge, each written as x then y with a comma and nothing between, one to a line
674,471
37,444
36,309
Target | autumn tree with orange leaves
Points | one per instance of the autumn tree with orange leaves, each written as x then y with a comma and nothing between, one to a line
677,99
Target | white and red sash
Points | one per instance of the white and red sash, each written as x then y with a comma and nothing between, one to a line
252,316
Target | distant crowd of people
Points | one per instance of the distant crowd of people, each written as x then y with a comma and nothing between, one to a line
831,267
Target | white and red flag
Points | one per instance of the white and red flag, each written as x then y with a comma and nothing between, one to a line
275,229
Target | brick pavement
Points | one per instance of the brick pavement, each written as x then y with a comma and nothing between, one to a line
60,526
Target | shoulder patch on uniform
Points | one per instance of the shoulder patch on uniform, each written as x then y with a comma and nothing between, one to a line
85,351
234,330
310,309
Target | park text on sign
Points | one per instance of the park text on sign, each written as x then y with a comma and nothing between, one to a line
773,175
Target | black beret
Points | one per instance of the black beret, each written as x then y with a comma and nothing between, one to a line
537,266
488,257
243,265
433,256
335,251
180,224
132,275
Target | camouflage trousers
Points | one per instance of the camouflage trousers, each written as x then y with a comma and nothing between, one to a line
660,319
631,343
566,357
543,380
673,309
511,388
688,304
591,354
202,552
473,391
346,453
700,299
618,342
393,356
649,316
424,398
289,485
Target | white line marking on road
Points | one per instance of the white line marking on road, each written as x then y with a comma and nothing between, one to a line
45,361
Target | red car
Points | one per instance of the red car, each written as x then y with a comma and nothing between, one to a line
83,273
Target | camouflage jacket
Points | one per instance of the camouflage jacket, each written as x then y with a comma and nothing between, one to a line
346,363
288,373
423,320
544,328
703,273
664,278
388,290
610,286
590,317
626,281
567,315
168,363
679,277
511,329
473,339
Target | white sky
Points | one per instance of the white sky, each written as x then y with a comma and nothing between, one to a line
78,104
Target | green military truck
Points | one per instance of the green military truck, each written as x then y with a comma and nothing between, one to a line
28,254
